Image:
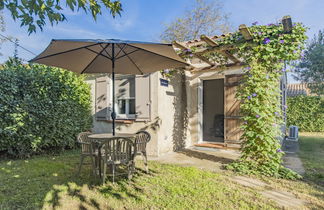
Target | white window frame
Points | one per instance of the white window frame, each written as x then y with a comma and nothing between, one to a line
127,115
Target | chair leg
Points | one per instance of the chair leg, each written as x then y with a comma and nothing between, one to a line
113,173
81,162
131,170
145,162
104,172
93,166
96,162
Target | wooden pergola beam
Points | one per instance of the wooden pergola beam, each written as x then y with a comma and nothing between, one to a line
204,59
179,45
199,53
244,30
227,50
199,56
208,40
229,56
215,49
287,24
225,53
217,68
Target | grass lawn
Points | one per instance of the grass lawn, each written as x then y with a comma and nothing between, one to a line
312,155
49,182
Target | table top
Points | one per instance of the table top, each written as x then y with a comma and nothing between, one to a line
109,135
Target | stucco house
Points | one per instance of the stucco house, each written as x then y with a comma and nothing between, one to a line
194,107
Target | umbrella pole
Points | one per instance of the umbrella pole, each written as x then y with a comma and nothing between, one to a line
113,114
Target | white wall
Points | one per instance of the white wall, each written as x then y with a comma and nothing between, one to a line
169,126
171,111
131,126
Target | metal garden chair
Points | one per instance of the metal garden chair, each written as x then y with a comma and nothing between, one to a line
118,151
141,140
87,150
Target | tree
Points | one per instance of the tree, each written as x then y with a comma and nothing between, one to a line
311,67
35,13
204,17
2,29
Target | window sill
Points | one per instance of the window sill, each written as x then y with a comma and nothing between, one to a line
128,121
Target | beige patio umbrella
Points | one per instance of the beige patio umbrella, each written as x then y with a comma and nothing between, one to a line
109,56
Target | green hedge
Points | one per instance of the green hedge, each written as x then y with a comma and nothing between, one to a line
307,112
42,108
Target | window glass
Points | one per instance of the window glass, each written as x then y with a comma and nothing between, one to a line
125,96
121,106
131,106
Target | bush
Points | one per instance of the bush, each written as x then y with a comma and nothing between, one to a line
307,112
42,108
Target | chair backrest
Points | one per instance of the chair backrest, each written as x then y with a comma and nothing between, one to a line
119,149
141,140
84,141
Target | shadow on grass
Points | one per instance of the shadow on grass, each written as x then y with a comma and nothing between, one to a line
205,156
50,181
124,188
79,189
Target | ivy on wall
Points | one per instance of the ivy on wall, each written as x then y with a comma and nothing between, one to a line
259,93
307,112
42,108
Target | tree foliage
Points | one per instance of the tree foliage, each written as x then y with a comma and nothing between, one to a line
204,18
35,13
2,29
2,23
311,67
42,108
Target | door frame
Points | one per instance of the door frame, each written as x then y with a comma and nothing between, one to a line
200,104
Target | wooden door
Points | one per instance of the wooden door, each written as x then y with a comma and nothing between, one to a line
232,118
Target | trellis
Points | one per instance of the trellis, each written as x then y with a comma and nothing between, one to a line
262,50
208,44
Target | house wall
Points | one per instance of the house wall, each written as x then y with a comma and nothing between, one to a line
176,111
172,113
166,115
130,126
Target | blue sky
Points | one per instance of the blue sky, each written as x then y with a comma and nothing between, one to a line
143,20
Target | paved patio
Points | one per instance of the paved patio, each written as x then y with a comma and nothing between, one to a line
203,158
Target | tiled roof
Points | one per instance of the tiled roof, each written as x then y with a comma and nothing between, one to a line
297,89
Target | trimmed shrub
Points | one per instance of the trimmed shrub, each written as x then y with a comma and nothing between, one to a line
42,108
307,112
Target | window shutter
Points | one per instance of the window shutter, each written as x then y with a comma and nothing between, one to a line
102,98
142,97
232,120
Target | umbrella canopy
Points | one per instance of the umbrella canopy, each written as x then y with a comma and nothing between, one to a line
97,56
109,56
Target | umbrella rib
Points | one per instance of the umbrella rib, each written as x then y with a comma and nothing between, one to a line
133,62
158,54
79,48
127,54
94,59
98,53
121,48
106,50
